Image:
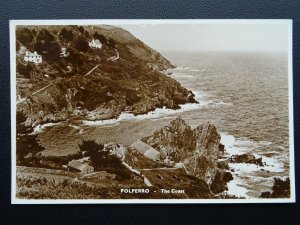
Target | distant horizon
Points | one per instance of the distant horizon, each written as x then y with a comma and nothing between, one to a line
213,37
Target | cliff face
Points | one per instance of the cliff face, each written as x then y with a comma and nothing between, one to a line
123,75
197,149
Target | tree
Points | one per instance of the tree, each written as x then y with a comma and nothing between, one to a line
100,37
81,44
99,156
25,36
45,36
81,29
67,35
53,52
111,43
86,34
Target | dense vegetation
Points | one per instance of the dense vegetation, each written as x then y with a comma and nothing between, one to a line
103,159
132,82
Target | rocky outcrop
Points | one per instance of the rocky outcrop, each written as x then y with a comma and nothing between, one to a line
247,158
197,149
281,189
219,182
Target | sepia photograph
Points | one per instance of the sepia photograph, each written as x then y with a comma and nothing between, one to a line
151,111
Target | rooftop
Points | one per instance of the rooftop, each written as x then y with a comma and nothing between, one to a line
77,165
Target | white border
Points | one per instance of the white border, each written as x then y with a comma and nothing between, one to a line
116,22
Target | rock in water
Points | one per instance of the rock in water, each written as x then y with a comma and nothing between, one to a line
247,158
281,189
198,149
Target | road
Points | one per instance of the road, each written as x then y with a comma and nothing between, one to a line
88,73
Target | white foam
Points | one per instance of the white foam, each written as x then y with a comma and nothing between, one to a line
75,127
235,189
157,113
39,128
100,122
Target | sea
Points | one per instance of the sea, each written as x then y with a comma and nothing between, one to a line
244,94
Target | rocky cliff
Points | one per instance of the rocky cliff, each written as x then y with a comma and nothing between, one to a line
95,83
197,149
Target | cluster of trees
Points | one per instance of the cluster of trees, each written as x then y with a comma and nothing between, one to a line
45,43
25,70
101,158
66,35
25,36
47,46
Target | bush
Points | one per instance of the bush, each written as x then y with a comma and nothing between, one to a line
25,36
81,44
100,37
67,35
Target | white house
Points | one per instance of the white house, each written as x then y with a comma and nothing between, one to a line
95,43
33,57
64,52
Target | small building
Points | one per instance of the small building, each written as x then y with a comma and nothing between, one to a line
146,150
33,57
64,52
95,43
80,167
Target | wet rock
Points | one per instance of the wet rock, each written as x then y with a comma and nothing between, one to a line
247,158
280,189
265,194
221,149
219,183
223,165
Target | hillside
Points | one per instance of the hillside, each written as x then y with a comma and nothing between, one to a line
119,74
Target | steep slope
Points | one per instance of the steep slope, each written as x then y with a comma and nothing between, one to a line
123,74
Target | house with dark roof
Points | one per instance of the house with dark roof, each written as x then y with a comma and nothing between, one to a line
146,150
79,167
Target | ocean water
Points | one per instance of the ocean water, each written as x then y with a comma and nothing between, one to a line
253,117
244,94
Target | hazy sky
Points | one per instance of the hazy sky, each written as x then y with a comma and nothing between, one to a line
213,37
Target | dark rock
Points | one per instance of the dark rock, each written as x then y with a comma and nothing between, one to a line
281,189
219,183
223,165
247,158
266,194
221,148
197,149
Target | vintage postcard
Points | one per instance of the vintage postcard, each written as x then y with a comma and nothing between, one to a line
152,111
